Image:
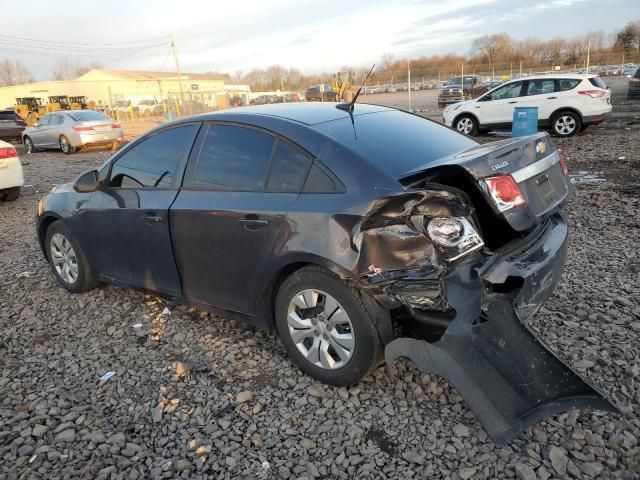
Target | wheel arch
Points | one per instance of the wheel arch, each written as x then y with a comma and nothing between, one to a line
465,114
559,110
43,225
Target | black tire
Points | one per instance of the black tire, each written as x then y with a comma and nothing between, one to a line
28,145
470,125
85,279
367,349
12,195
566,124
65,146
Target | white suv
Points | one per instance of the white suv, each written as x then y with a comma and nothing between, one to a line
11,179
567,104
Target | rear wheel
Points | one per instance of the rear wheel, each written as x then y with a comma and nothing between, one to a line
566,124
325,327
28,145
12,195
65,146
466,124
68,262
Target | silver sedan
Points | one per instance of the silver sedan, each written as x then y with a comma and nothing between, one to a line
70,130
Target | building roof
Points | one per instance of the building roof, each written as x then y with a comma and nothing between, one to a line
147,75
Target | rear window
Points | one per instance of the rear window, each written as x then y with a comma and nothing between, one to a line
9,116
88,116
568,84
396,142
597,82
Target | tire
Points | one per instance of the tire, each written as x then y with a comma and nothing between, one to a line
321,332
466,124
12,195
28,145
57,238
65,146
566,124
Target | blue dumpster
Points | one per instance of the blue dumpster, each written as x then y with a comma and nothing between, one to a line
525,121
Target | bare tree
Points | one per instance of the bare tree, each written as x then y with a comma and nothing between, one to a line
14,72
490,47
65,68
629,37
386,62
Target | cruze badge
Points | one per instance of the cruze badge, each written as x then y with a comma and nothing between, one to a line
498,166
541,147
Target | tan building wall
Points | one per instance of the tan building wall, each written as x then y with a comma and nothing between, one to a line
99,86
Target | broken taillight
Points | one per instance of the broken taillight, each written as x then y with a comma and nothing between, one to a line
505,192
455,236
563,163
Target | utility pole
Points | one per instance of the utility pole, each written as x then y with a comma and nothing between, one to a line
175,56
588,53
409,82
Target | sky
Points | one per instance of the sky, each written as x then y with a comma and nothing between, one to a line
313,36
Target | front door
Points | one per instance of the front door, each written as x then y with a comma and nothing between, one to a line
38,133
231,213
496,108
127,221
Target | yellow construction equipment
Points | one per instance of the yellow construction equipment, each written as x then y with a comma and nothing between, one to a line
342,85
58,102
78,103
30,109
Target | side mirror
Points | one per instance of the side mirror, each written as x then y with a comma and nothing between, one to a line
87,182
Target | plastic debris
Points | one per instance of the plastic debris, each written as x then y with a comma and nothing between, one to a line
105,378
137,325
266,465
622,158
166,311
24,274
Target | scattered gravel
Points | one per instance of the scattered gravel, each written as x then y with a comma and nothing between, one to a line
198,396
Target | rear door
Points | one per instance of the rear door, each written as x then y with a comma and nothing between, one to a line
496,108
231,212
126,223
542,93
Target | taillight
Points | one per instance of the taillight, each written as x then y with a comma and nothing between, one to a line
505,192
115,125
563,163
83,129
593,93
8,152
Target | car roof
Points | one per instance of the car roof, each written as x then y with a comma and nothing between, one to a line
310,113
552,76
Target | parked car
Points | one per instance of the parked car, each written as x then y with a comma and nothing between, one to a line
315,94
150,107
261,100
454,91
329,224
71,130
566,104
630,70
11,177
634,86
11,126
293,97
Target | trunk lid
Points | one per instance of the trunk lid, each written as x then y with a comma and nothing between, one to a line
532,161
99,126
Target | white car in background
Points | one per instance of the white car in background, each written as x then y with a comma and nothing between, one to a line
11,178
567,104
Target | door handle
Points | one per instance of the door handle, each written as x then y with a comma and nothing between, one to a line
152,219
252,222
551,98
515,101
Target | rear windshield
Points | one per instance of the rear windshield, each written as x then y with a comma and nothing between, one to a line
88,116
396,142
9,116
597,82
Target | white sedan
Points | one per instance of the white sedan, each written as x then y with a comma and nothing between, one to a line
11,177
567,104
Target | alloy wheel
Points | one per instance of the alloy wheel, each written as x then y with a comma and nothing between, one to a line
63,258
465,125
28,145
565,125
320,329
64,144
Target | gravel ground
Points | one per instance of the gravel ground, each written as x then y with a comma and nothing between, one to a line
195,395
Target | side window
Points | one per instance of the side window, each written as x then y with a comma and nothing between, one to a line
154,162
321,180
289,167
234,158
508,91
56,120
540,87
44,121
568,84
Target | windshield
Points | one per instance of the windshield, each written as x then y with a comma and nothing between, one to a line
396,142
88,116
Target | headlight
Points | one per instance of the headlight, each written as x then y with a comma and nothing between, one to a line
455,236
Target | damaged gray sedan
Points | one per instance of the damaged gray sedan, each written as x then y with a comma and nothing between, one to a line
332,223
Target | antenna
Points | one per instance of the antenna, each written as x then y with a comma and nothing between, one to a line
348,107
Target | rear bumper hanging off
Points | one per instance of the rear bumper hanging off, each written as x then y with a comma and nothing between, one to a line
508,377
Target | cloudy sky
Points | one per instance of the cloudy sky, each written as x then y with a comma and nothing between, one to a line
311,35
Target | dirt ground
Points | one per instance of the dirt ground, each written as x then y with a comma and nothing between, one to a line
199,396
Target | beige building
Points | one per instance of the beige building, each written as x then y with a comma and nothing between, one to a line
108,86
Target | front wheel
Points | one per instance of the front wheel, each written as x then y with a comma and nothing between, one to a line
325,327
65,146
466,124
68,263
566,124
